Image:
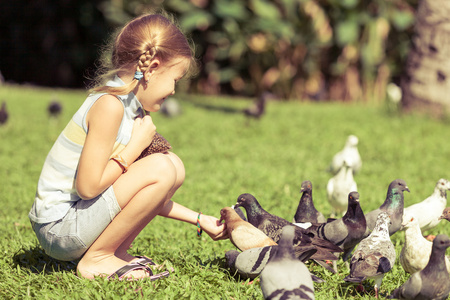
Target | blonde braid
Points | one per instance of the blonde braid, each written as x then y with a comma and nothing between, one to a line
145,60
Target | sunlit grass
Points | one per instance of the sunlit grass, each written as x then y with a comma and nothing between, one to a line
225,155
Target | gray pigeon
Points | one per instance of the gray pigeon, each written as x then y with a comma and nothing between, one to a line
250,263
428,211
3,113
374,255
433,282
240,213
306,211
284,276
258,108
54,108
393,205
171,108
350,154
338,188
272,226
346,232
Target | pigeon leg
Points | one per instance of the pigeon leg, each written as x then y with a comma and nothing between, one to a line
360,288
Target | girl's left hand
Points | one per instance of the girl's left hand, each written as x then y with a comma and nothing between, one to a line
213,227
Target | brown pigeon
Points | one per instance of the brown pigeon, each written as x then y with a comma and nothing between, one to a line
243,234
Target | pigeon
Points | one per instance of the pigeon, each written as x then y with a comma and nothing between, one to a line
171,108
306,212
272,225
3,114
374,256
239,212
428,211
416,249
259,107
243,234
346,232
284,276
433,282
250,263
445,214
54,108
339,187
349,154
393,205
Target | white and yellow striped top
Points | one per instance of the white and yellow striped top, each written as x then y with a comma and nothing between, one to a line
56,191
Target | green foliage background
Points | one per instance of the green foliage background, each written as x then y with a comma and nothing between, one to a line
225,155
298,49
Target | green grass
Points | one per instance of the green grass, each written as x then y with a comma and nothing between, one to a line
224,155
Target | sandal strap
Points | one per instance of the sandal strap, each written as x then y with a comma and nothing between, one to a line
120,273
145,260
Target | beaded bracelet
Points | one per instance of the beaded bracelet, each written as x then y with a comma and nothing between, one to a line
122,162
199,229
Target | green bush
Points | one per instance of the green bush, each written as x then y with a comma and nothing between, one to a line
326,49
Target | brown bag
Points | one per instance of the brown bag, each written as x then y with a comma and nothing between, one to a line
158,145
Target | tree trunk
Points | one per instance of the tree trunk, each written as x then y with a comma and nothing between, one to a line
426,81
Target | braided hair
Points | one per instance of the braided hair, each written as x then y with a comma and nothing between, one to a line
136,45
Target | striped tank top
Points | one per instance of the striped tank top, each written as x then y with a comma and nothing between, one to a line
56,191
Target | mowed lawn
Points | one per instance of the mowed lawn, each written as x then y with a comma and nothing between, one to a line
225,154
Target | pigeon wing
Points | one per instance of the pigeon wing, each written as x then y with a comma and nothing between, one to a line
246,237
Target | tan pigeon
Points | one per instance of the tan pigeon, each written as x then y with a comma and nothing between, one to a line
417,249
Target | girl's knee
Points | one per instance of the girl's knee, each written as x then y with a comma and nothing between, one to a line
179,167
163,168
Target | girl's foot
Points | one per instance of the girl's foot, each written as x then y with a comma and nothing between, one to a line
105,266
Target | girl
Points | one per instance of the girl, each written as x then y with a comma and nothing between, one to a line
93,198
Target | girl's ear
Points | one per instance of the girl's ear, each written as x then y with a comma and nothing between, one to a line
154,65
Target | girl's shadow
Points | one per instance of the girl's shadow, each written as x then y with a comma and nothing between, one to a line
37,261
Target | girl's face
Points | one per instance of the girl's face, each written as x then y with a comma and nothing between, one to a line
161,83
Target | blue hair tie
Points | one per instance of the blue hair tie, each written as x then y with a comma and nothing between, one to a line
138,75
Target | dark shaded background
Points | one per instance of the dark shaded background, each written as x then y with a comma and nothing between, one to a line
50,43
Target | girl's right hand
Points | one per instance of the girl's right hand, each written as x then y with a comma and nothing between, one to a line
143,132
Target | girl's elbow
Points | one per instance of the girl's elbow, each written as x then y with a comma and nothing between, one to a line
86,193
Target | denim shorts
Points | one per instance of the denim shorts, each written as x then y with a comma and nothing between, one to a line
69,238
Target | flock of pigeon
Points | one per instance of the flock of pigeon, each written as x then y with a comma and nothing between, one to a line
54,109
276,249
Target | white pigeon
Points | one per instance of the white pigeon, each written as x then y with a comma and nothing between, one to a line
374,255
433,282
350,154
428,211
417,250
285,276
338,188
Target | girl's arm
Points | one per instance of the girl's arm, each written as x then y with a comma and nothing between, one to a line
209,224
95,171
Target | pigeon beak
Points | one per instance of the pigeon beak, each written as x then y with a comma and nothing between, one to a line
407,189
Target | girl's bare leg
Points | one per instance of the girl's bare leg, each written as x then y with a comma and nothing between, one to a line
142,193
122,250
